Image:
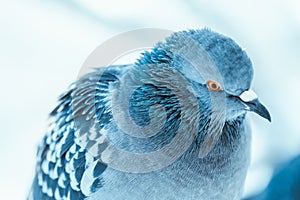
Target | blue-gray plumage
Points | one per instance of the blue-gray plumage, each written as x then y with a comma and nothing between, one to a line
76,159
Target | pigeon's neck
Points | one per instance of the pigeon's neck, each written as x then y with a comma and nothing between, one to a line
230,154
230,130
161,99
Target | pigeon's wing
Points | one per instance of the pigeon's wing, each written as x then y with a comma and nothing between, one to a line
65,168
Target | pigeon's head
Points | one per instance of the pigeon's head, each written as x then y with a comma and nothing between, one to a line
219,70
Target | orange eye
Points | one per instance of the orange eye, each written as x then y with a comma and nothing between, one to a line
214,86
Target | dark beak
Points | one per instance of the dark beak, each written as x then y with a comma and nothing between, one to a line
257,107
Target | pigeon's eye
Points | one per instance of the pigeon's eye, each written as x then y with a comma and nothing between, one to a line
213,85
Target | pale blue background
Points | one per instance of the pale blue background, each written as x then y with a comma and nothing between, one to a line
44,43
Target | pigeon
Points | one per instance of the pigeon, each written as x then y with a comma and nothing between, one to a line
171,125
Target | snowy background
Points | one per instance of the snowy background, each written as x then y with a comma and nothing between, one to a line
44,43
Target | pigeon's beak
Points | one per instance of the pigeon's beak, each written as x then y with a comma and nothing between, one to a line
251,101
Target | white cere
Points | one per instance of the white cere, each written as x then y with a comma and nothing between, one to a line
248,95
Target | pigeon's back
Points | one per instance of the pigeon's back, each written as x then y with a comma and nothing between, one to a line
65,169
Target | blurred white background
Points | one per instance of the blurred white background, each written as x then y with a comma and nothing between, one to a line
44,43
